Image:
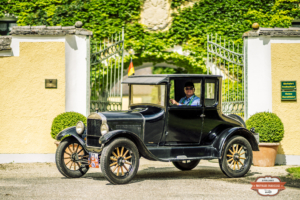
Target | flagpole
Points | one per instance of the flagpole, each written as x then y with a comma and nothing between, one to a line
130,63
122,67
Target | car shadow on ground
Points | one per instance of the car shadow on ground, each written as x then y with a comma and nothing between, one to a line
167,173
200,172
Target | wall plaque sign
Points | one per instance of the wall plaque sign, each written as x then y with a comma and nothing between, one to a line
288,85
50,83
288,90
288,95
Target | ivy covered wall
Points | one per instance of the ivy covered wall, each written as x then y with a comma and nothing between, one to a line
189,28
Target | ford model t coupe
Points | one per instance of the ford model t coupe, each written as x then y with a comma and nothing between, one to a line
155,129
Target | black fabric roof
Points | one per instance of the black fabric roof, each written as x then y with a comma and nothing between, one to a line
146,80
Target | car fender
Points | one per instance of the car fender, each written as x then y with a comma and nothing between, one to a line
71,132
133,137
223,137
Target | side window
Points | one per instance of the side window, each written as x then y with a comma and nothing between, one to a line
180,93
198,89
211,93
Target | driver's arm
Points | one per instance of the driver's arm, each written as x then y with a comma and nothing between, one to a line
174,102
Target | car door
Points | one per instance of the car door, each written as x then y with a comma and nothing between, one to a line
184,123
212,107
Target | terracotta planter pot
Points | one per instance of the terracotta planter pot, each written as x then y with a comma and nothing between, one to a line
266,155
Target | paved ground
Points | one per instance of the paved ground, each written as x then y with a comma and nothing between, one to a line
154,180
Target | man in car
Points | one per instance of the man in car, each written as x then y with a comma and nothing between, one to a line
190,99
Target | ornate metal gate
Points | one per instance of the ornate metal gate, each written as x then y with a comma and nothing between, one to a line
106,73
226,59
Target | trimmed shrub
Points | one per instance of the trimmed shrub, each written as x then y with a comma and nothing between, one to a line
65,120
268,125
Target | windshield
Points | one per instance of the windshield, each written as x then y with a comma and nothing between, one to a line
148,94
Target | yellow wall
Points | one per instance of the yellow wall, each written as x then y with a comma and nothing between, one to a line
27,108
285,59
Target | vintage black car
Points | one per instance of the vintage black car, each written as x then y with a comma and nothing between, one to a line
155,129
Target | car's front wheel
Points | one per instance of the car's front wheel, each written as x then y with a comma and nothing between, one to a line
186,164
120,161
237,157
71,159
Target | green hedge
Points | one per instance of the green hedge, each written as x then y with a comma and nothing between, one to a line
65,120
268,125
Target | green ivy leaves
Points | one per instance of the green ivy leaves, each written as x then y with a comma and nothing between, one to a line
190,26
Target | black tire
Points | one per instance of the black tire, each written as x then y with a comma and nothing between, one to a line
238,118
114,158
186,164
66,155
236,158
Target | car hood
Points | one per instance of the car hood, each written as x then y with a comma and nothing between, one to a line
123,115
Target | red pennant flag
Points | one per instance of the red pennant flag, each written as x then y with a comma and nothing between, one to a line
131,69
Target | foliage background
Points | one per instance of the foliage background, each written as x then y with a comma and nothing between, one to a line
190,26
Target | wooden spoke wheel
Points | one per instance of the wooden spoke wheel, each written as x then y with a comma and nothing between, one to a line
120,161
186,164
72,154
237,157
71,159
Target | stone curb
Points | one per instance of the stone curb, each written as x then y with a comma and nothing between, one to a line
5,43
49,30
43,30
274,32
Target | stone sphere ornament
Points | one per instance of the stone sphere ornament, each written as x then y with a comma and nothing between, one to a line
78,24
255,26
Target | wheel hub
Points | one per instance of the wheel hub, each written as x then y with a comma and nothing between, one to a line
121,161
74,157
236,157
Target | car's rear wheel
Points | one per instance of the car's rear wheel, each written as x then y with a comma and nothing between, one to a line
237,157
71,159
120,161
186,164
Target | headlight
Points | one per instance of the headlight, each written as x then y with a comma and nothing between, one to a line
80,127
104,129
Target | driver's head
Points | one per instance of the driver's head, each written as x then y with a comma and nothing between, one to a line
189,89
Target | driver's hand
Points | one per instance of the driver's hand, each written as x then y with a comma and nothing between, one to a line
174,102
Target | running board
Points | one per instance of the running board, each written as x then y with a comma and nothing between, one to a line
167,153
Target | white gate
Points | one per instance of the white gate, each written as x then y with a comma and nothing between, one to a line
106,73
226,59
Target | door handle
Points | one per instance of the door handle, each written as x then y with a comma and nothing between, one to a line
202,115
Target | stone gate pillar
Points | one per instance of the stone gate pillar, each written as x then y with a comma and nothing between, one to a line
272,56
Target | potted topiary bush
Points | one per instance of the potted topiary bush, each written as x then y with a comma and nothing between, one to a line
65,120
270,129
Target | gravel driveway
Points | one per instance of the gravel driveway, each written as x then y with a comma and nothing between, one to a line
154,180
